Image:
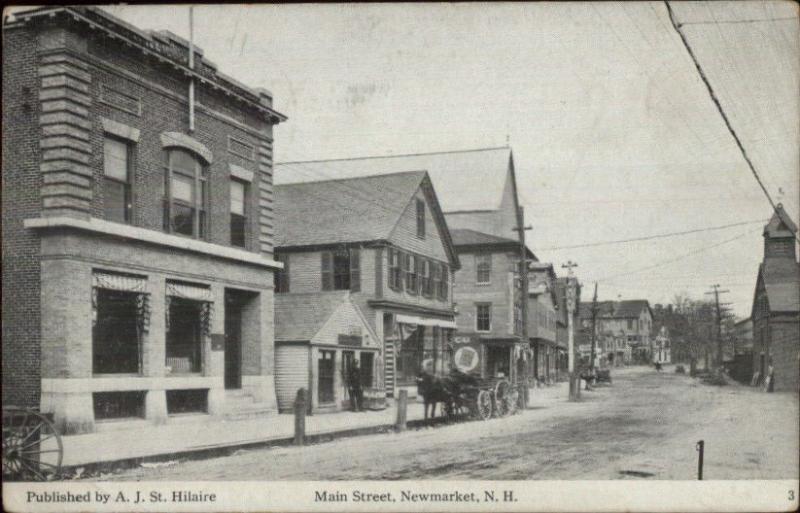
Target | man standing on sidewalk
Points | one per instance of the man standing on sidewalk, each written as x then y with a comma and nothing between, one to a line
354,387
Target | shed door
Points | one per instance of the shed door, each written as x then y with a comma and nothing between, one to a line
291,373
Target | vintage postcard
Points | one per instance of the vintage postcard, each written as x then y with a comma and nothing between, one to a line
401,257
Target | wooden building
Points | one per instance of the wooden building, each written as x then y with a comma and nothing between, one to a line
384,239
490,303
776,306
318,336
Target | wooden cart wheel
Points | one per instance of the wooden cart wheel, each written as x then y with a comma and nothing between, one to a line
32,448
501,392
483,405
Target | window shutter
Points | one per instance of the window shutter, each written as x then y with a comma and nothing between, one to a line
327,270
445,282
418,273
355,270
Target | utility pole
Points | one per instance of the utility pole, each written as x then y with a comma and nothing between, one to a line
574,386
594,324
523,276
716,292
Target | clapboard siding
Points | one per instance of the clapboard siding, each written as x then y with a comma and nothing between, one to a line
291,373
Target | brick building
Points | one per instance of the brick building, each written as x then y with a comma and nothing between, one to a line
137,225
384,239
776,306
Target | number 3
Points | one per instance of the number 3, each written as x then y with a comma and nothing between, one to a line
791,495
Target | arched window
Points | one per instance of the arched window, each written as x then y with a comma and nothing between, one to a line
185,194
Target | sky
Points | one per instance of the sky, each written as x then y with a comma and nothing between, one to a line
614,135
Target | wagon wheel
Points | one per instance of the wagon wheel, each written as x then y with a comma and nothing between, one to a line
32,449
501,393
483,408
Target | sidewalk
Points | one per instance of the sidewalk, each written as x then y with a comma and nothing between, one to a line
199,433
203,433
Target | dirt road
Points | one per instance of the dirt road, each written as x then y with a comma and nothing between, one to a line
644,426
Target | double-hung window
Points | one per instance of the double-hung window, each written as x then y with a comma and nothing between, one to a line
116,180
483,267
185,194
483,317
444,285
410,267
238,213
341,270
426,283
395,269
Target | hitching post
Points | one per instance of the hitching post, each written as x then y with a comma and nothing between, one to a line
700,446
300,417
402,405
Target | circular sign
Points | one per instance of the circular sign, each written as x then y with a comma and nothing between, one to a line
466,359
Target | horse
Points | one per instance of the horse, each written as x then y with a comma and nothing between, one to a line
434,389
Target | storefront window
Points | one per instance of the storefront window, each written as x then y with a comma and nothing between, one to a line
121,317
116,335
184,336
409,358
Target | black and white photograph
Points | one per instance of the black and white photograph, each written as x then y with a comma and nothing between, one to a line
470,256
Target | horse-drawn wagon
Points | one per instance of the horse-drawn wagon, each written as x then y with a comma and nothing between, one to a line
485,379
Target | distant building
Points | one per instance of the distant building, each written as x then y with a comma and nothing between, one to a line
384,239
776,305
623,328
543,315
662,350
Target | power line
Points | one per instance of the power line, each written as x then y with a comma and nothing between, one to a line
720,109
726,22
651,237
679,257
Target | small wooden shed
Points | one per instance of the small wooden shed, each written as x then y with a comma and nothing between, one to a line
318,336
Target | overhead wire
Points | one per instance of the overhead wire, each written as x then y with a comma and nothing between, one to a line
650,237
721,111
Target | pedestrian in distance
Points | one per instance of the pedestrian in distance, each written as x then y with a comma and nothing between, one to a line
354,387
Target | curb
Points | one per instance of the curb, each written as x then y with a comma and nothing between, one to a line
111,466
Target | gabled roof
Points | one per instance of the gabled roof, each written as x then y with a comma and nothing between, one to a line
780,225
631,308
354,210
464,180
781,279
299,317
466,239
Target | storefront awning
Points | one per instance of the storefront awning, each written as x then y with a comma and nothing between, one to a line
119,282
192,292
412,319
